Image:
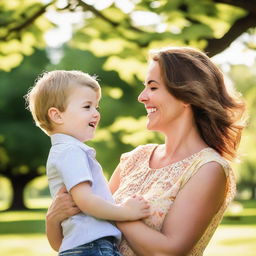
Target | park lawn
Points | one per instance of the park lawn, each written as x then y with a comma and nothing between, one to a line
236,235
23,233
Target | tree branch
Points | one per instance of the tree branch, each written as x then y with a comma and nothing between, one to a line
248,5
25,24
97,13
113,23
240,26
103,17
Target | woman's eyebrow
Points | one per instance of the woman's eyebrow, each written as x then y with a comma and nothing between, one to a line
150,81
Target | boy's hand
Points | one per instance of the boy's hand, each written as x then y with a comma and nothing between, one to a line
136,207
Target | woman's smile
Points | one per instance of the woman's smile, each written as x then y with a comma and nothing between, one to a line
151,110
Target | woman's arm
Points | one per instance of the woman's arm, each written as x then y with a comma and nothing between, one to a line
63,207
114,181
188,217
60,209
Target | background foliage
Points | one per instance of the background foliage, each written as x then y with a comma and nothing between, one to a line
110,39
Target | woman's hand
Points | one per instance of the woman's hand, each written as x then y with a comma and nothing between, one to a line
62,207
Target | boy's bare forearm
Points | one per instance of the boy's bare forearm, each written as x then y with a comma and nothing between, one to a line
96,206
134,208
102,209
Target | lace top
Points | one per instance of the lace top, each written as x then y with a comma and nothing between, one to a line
161,186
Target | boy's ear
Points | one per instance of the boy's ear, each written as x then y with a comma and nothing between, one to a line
55,115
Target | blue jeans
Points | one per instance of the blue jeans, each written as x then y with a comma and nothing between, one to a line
100,247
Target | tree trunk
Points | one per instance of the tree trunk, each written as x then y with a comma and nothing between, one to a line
253,192
18,184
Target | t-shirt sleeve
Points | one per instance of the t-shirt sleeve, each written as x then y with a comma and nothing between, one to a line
73,165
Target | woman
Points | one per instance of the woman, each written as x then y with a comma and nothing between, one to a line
187,180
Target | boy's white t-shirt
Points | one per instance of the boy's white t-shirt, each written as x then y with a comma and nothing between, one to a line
69,163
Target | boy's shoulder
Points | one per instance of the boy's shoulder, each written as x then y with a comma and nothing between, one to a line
63,142
64,151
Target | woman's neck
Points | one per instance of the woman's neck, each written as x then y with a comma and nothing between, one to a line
176,148
183,141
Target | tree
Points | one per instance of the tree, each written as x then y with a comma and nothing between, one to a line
246,170
127,28
111,42
23,147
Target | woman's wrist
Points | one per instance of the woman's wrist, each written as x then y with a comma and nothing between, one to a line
53,218
123,225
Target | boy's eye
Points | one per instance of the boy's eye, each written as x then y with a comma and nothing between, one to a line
98,108
87,106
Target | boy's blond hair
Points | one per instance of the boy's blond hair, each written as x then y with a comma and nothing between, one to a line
52,90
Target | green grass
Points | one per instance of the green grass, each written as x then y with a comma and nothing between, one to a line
23,233
236,235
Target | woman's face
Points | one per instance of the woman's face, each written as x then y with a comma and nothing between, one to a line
164,110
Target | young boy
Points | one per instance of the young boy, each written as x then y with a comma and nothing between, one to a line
64,104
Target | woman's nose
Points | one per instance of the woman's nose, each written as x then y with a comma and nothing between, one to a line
143,96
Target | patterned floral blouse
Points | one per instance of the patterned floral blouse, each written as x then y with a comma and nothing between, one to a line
161,186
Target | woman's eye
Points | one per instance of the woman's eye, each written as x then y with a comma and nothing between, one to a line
153,88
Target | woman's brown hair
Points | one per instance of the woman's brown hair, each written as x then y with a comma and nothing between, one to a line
191,76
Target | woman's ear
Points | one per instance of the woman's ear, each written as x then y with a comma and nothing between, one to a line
186,105
55,115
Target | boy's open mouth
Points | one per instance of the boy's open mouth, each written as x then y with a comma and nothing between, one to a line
92,124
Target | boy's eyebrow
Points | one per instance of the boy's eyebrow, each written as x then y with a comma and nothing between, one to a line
150,81
87,101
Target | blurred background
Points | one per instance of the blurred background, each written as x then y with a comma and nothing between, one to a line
111,39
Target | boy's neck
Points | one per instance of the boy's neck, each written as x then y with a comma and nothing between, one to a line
63,133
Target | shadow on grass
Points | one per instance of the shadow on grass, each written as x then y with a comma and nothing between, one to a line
22,227
239,220
248,204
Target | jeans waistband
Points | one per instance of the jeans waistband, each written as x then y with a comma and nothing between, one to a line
111,239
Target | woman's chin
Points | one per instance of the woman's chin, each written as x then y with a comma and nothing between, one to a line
151,127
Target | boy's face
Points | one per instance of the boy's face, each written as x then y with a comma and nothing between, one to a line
81,116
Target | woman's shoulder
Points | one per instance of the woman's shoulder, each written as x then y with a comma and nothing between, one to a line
209,155
205,159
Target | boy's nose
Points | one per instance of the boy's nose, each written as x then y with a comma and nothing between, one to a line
96,113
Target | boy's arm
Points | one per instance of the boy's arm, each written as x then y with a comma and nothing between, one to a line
73,165
91,204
